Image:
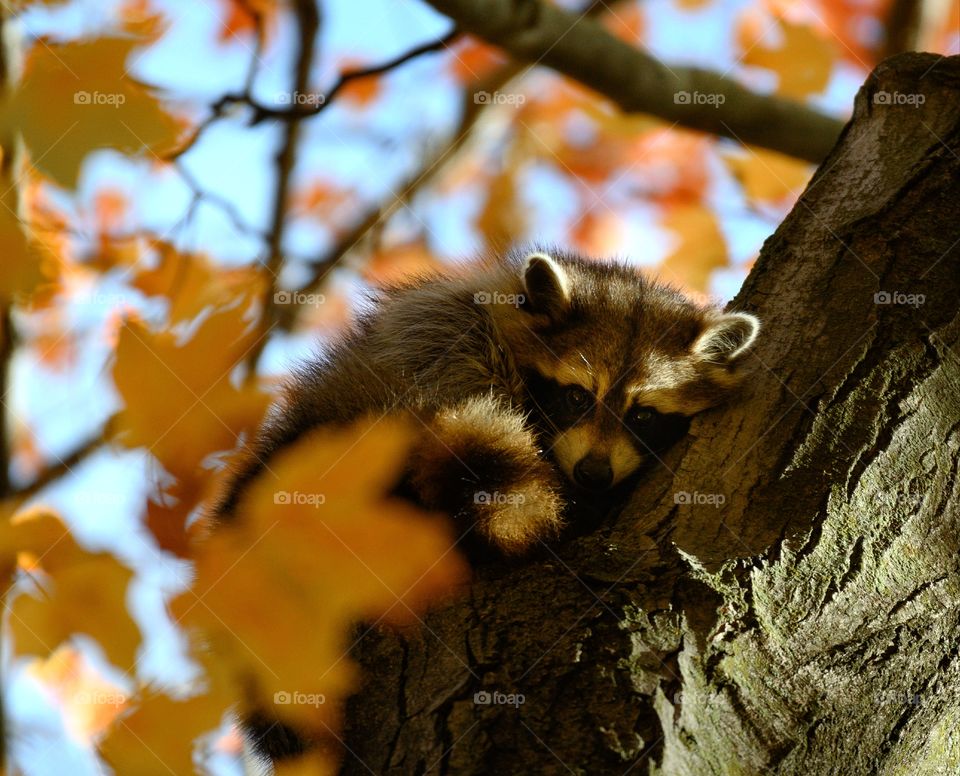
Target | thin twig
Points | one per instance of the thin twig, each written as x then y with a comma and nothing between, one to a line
308,19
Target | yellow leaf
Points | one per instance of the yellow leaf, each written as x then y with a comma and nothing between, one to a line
157,738
89,598
180,402
803,62
20,270
314,548
768,177
702,247
192,283
78,97
501,219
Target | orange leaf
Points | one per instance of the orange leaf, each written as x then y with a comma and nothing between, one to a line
80,592
312,550
156,738
803,61
399,262
361,91
78,97
702,247
239,22
192,283
180,401
501,220
20,270
472,59
627,23
768,177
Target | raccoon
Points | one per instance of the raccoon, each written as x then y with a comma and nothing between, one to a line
536,379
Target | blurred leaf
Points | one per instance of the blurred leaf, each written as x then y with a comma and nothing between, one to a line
157,737
88,701
313,551
179,400
501,220
472,60
702,247
20,270
139,18
80,592
803,61
360,91
395,263
110,208
20,5
768,177
627,22
598,232
167,516
238,22
192,283
322,200
78,97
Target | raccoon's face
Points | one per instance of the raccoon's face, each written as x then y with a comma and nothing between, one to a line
615,365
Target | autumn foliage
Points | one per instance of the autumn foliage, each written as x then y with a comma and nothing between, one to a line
266,605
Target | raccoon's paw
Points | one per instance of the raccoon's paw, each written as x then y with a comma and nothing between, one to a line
479,461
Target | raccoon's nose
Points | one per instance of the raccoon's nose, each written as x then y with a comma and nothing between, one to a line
593,472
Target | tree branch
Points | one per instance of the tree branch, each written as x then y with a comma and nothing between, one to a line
66,464
579,47
308,18
903,27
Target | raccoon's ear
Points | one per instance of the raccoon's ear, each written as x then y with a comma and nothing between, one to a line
728,338
547,285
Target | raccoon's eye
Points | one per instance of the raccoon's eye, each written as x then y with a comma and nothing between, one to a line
640,415
577,398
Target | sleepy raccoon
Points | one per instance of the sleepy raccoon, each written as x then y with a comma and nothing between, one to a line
536,377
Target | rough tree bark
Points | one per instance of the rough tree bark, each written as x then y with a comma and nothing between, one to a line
810,623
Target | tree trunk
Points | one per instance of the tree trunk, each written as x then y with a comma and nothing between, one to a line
782,594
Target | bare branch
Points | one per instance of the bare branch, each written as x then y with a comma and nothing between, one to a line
579,47
66,464
262,111
308,20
